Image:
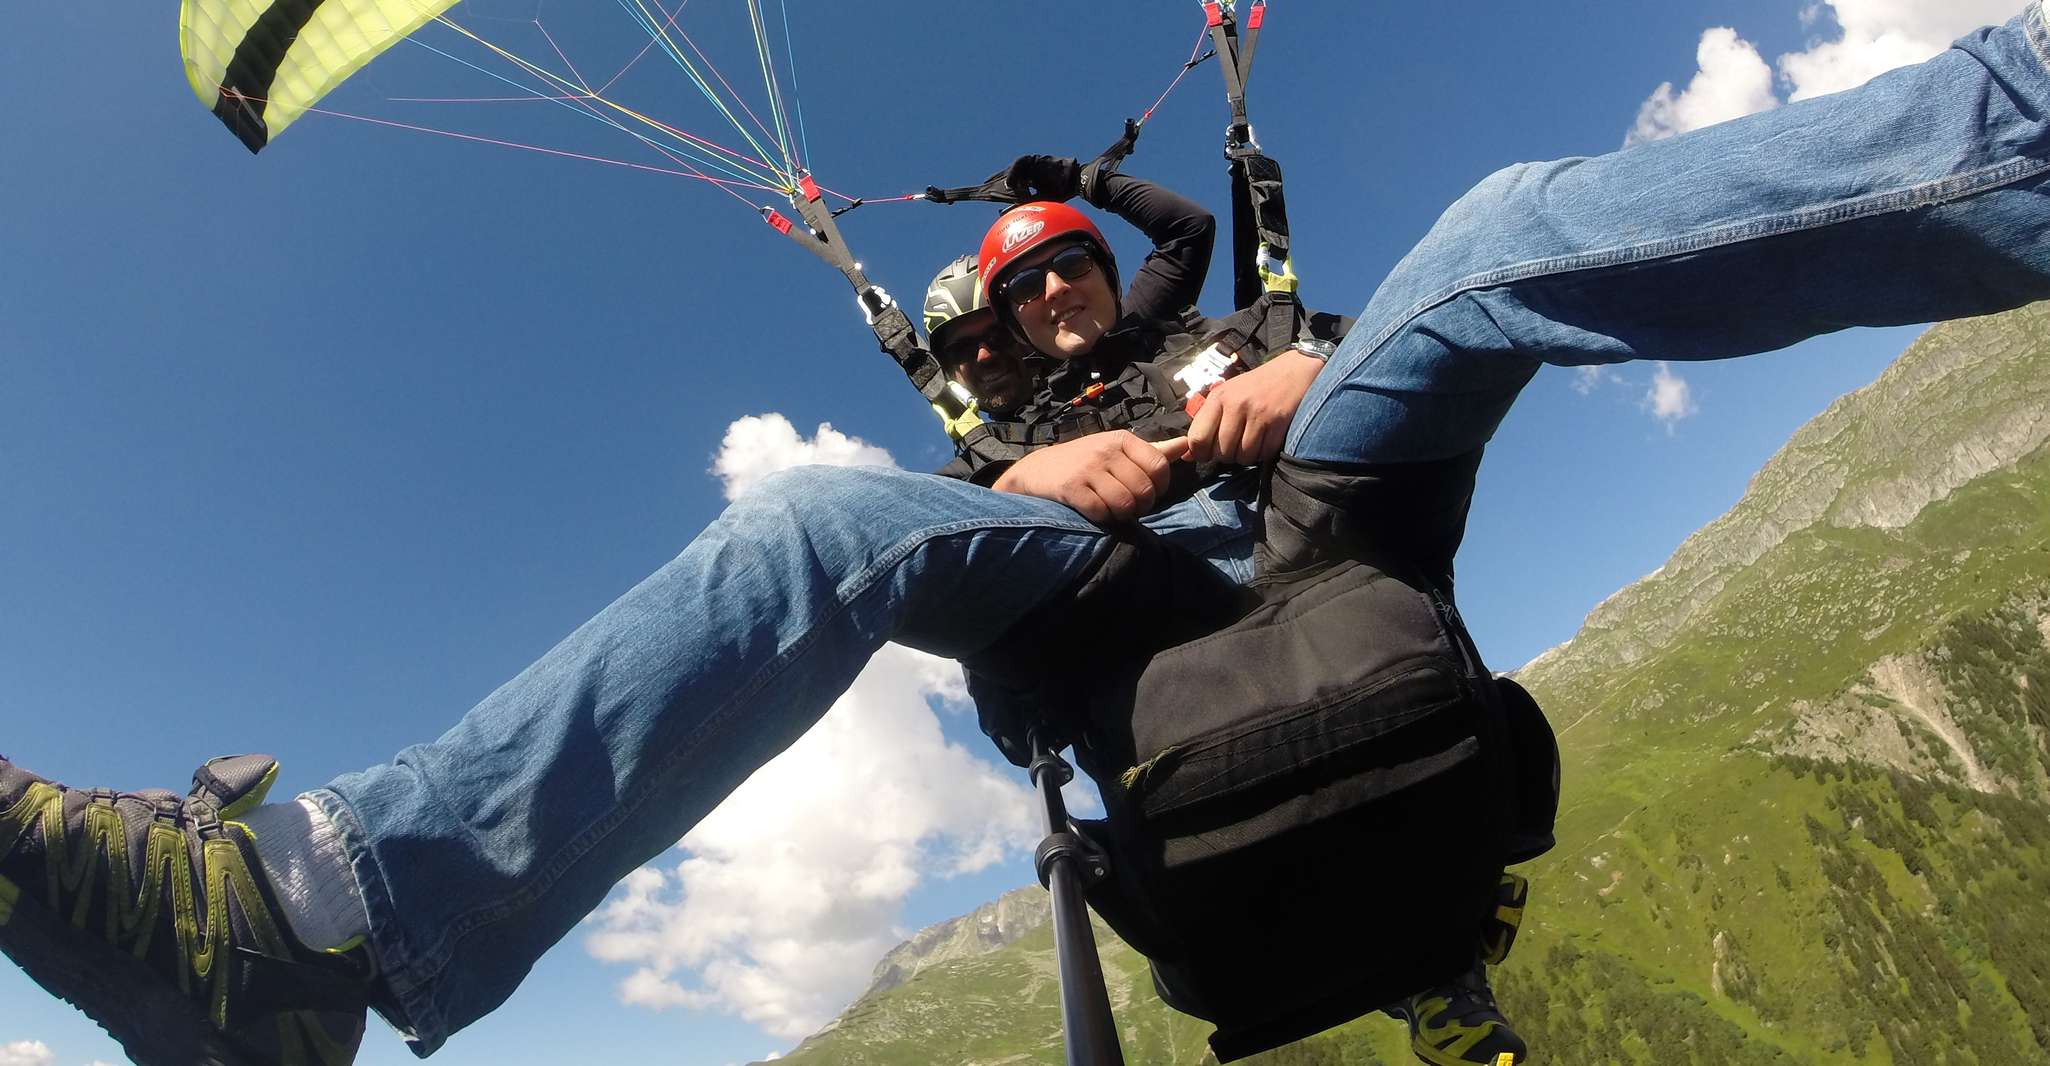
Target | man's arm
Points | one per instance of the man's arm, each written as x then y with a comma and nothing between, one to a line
1245,419
1182,232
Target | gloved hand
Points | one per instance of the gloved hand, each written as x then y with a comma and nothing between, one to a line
1046,177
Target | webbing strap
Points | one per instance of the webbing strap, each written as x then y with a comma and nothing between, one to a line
1106,162
1259,215
1234,43
818,232
997,188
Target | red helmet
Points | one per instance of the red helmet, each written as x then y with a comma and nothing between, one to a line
1028,226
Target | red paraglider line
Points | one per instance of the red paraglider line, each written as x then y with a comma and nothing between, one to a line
1186,67
1196,58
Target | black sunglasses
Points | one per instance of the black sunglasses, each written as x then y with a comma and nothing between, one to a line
965,347
1072,263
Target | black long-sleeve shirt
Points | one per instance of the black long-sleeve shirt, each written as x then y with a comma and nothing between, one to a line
1183,233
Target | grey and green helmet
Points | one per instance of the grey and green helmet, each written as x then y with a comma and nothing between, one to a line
954,294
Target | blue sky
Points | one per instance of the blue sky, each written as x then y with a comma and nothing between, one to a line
306,453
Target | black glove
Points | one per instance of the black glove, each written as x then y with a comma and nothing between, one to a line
1045,177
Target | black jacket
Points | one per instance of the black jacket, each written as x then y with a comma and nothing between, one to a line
1165,287
1135,364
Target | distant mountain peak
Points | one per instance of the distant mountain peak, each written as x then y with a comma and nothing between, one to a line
1967,398
990,927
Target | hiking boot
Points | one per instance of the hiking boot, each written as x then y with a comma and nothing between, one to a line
151,914
1458,1024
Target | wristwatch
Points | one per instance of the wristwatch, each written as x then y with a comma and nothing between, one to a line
1314,347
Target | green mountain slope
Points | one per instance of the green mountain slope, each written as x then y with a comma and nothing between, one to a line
1806,759
1807,810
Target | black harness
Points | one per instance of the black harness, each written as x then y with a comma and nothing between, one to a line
1138,379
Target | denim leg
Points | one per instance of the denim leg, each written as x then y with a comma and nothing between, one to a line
1219,524
478,851
1922,195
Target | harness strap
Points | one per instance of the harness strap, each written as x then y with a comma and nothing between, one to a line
1259,214
1234,44
997,188
820,234
1106,162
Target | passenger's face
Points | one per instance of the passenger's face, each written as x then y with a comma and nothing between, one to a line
1071,308
984,359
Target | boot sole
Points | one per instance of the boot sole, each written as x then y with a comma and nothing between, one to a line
154,1024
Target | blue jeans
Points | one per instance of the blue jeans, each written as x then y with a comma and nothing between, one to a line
1917,197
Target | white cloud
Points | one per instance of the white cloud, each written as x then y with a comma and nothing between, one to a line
26,1053
1879,35
1871,37
760,445
791,890
1593,376
1669,399
1732,81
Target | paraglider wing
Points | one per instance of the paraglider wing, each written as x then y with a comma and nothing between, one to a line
259,64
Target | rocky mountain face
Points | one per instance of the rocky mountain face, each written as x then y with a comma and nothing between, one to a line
1806,815
1967,399
990,927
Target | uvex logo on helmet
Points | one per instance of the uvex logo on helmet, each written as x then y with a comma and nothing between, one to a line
1021,231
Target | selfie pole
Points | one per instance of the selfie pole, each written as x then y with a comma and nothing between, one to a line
1066,862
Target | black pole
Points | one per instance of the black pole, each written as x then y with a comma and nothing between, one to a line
1063,860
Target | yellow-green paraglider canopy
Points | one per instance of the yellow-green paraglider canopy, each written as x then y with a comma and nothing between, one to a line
259,65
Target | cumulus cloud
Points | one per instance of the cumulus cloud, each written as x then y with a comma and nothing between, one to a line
790,891
26,1053
786,895
1669,399
760,445
1867,37
1732,81
1876,36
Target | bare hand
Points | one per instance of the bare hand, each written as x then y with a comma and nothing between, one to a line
1106,477
1245,419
